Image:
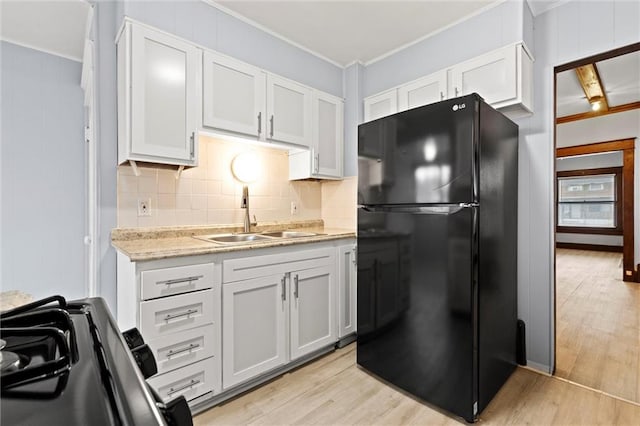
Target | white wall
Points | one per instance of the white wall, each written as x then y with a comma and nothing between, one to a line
569,32
43,174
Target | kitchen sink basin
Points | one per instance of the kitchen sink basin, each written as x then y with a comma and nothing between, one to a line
289,234
233,238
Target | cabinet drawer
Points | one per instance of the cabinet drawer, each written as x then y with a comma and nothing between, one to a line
170,281
191,381
160,317
272,264
186,347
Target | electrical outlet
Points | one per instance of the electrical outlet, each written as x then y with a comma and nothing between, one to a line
144,207
294,208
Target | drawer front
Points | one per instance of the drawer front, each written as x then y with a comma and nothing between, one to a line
181,279
271,264
161,317
179,349
191,381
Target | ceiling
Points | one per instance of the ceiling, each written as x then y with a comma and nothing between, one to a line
619,77
348,31
58,27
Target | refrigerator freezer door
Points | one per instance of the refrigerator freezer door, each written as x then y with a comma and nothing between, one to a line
421,156
417,276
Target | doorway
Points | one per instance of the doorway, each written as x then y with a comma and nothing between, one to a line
597,111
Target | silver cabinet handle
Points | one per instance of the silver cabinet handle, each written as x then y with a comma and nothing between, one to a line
456,89
180,280
317,168
295,288
283,294
183,314
259,123
193,144
191,384
271,120
191,346
441,95
355,256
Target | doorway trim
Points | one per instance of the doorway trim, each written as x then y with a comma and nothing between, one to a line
627,147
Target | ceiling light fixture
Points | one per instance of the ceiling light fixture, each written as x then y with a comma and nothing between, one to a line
595,106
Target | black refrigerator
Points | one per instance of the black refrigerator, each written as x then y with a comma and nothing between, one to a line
437,209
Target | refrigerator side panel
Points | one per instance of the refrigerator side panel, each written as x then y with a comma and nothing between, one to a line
497,289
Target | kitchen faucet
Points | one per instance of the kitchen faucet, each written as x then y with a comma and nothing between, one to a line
244,204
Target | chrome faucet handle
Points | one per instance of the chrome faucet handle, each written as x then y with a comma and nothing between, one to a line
255,221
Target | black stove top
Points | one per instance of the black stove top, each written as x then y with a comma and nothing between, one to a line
74,368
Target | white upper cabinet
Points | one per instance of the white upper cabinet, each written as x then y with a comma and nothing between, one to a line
503,78
426,90
158,97
233,95
288,111
381,105
324,159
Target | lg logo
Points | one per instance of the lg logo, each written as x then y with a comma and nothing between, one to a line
459,106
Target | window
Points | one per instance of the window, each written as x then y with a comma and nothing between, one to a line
589,201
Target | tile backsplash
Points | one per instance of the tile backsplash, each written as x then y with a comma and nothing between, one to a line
209,194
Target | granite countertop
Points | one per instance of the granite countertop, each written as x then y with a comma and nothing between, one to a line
141,244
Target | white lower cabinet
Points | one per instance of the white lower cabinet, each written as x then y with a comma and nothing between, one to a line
191,381
312,310
347,277
176,305
278,317
253,331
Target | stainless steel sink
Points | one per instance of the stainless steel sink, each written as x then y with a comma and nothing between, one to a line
289,234
233,238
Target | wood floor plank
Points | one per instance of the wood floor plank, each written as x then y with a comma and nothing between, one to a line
598,323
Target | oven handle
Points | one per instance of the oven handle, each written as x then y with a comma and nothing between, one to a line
191,384
182,314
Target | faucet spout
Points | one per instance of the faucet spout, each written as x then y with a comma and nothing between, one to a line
245,205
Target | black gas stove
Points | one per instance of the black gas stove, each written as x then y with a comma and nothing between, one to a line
66,363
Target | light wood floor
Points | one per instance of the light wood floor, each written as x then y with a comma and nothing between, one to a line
334,391
598,323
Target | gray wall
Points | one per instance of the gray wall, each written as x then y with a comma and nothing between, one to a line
572,31
42,174
201,23
495,28
353,114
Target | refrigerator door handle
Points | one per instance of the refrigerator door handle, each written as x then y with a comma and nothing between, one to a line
439,209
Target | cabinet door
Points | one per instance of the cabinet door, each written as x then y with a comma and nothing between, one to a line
253,328
233,95
427,90
347,290
164,97
312,310
288,111
381,105
328,135
492,76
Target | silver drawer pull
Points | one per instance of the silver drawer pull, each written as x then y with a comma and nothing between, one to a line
191,384
183,314
180,280
179,351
